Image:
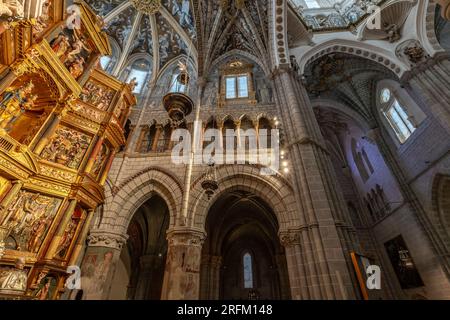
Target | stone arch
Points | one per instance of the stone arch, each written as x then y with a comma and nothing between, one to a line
237,52
357,49
425,27
274,190
172,63
440,206
136,190
343,109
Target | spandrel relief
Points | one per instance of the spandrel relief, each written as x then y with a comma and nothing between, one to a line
67,147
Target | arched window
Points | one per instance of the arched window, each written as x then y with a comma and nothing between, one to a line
109,62
139,70
176,85
248,270
397,115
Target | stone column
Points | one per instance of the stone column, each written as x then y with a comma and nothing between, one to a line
99,264
432,81
324,241
216,264
182,274
210,274
445,8
145,276
298,281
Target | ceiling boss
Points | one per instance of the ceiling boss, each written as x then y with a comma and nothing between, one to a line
147,6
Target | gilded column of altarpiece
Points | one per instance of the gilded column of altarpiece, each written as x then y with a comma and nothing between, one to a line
61,123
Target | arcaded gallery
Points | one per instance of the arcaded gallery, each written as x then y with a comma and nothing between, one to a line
225,150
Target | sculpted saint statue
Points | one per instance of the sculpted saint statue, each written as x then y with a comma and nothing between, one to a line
14,280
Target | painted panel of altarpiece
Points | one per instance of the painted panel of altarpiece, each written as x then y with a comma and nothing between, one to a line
67,147
97,95
29,218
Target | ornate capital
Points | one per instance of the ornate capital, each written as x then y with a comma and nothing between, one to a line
185,236
108,240
290,238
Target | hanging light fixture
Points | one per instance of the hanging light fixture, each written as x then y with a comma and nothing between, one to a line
177,103
209,183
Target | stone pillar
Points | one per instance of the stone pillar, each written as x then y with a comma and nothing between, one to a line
298,281
445,8
281,268
145,276
182,274
432,80
324,242
210,274
99,264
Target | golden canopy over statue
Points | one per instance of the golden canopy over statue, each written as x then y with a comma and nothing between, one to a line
14,102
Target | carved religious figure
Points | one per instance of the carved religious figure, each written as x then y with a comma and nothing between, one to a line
66,239
77,67
29,217
14,280
15,101
11,8
97,95
392,32
133,84
67,147
42,22
61,46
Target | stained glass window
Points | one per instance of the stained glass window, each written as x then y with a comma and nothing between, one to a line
248,271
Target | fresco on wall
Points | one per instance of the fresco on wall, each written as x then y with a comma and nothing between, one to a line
95,270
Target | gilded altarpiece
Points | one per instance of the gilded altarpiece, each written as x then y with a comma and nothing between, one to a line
61,124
